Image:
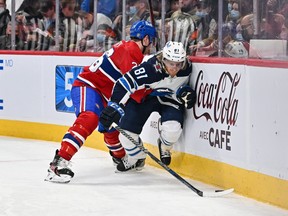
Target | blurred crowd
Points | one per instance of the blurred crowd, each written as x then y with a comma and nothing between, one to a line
195,23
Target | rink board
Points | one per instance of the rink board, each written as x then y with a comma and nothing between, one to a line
234,137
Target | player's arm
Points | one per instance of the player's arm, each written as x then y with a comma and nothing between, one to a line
138,78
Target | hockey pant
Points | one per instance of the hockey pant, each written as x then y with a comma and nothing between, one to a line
136,116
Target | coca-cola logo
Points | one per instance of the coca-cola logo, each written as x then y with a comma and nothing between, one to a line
217,101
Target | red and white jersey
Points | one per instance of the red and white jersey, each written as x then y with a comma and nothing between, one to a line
108,68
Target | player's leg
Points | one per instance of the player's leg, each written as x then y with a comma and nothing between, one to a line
134,158
87,103
170,129
116,150
132,122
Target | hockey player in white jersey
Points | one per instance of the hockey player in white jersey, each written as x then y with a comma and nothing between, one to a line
161,85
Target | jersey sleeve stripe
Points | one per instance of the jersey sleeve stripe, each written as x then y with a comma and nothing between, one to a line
124,82
109,69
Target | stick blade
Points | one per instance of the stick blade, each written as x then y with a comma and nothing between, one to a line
217,193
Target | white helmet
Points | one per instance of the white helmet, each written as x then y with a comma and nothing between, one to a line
174,51
236,49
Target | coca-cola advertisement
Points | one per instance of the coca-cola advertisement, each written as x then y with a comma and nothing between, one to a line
216,123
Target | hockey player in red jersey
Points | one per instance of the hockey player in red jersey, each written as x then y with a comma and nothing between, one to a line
165,81
90,93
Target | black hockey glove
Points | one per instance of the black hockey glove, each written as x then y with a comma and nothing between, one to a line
112,113
187,96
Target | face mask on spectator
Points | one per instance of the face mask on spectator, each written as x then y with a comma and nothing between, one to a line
229,7
234,14
2,9
127,38
100,38
132,10
201,13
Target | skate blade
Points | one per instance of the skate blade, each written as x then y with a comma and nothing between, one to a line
137,169
63,179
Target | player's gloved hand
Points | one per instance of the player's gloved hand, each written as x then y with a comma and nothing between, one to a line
187,96
112,113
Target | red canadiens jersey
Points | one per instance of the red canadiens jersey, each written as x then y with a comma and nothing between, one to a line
108,68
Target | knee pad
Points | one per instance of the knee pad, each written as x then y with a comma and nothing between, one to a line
170,132
85,123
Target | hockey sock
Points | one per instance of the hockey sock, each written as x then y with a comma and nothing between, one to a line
111,140
72,141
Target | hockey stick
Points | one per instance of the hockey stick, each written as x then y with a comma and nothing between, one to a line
152,19
151,13
216,193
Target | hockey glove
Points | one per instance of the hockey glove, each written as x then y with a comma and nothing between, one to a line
187,96
112,113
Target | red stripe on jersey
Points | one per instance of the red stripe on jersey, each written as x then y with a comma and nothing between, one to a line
82,98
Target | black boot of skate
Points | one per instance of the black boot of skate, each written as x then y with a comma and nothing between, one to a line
165,154
126,165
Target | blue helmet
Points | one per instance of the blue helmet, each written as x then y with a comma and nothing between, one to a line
141,28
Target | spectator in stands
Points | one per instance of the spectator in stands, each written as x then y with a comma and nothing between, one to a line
106,7
189,7
4,17
284,32
105,36
28,17
5,40
173,7
271,27
273,22
181,28
284,10
46,28
234,13
207,28
68,26
245,29
136,10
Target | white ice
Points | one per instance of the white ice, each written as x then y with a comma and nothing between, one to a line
97,190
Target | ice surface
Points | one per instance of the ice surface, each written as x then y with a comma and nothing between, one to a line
97,190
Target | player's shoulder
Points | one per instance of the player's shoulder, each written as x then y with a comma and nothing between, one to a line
151,62
186,70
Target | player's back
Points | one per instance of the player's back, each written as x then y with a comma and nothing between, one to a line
108,68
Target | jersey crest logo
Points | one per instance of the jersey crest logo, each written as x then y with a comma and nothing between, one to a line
157,66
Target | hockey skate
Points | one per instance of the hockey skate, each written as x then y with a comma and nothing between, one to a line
115,160
128,163
59,171
164,152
